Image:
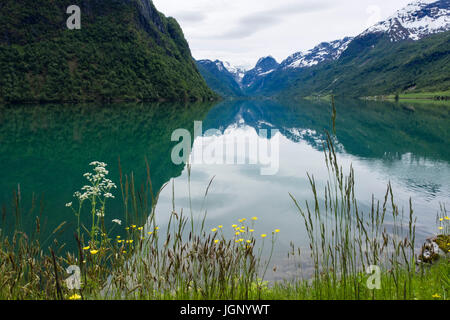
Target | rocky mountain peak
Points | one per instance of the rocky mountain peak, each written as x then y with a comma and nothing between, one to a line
325,51
266,63
415,21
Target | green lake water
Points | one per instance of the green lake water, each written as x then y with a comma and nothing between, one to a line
45,149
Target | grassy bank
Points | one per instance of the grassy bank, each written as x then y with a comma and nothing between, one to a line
427,284
438,96
137,259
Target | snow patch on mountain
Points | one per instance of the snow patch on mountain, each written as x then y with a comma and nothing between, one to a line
219,65
325,51
264,66
266,73
237,71
415,21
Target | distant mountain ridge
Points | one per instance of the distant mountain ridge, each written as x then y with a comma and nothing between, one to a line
218,77
238,72
337,59
264,66
325,51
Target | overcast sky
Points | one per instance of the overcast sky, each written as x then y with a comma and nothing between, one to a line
242,31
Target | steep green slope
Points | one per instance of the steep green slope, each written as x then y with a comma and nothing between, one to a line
125,50
371,66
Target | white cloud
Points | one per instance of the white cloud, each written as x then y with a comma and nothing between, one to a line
242,31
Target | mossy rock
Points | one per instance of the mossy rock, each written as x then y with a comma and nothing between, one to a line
434,248
443,241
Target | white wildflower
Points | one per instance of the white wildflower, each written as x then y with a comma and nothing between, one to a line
69,204
83,196
108,195
98,164
99,186
119,222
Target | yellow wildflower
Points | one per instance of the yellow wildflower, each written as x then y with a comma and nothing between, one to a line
234,226
86,248
216,241
220,227
214,230
255,218
263,235
75,297
277,230
94,252
251,230
436,296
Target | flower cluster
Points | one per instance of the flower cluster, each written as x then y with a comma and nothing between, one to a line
96,193
99,186
444,225
243,232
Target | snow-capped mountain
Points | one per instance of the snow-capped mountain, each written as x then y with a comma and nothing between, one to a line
238,72
217,64
415,21
326,51
263,67
221,77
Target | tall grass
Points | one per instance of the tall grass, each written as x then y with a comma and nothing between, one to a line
185,261
346,243
146,263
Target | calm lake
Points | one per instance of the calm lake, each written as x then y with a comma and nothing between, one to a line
46,149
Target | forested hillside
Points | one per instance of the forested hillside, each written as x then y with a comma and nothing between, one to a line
125,50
